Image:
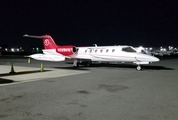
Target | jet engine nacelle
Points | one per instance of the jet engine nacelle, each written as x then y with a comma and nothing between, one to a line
66,50
47,57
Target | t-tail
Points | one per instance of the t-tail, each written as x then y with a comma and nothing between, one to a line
48,41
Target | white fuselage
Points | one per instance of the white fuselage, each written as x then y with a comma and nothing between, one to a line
53,52
107,53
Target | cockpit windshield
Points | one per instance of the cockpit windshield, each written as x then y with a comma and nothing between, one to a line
143,51
128,49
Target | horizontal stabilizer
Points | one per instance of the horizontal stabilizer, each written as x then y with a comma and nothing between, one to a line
32,36
45,57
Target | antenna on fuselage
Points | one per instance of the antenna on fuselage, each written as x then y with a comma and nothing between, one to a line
95,45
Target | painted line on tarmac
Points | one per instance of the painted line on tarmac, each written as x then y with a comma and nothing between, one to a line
18,79
28,74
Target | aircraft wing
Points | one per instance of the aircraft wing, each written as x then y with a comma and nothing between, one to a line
80,57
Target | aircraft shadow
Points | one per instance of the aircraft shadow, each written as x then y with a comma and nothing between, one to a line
21,72
72,68
5,81
150,67
157,68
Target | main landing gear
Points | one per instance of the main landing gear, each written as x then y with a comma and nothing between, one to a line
75,63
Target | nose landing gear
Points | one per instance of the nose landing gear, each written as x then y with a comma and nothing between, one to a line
139,68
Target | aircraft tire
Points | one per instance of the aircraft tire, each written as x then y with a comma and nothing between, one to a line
88,64
78,64
139,68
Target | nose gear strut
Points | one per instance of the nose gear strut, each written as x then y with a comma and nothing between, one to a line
138,63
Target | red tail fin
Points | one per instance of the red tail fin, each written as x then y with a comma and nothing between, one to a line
48,42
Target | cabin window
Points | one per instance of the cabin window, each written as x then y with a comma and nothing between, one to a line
128,49
95,51
90,51
113,50
101,50
107,50
85,51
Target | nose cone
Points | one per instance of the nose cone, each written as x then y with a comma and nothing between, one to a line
155,59
147,58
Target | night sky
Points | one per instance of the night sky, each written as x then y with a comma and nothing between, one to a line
85,22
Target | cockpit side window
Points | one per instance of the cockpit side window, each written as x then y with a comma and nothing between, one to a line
128,49
142,51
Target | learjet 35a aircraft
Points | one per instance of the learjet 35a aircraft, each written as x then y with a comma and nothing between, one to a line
53,52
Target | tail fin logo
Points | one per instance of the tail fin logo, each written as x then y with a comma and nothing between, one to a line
46,42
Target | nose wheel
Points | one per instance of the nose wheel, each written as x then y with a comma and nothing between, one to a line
139,68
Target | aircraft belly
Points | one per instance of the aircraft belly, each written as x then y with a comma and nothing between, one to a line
113,58
106,57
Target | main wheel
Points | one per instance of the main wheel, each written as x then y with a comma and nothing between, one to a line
139,67
78,64
75,63
88,64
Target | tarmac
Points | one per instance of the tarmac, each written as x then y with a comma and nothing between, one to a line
26,74
35,90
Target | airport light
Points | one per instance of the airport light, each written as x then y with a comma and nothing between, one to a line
170,47
33,49
12,49
37,49
164,49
